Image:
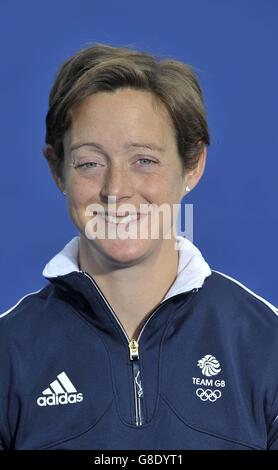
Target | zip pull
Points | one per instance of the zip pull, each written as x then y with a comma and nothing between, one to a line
133,350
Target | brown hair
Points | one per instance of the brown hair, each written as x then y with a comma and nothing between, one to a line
106,68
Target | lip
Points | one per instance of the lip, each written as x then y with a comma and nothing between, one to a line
116,219
121,214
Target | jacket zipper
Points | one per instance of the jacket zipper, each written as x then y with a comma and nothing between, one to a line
138,390
133,355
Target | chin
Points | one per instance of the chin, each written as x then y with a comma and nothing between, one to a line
125,252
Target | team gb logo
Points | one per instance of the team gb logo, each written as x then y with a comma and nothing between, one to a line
209,365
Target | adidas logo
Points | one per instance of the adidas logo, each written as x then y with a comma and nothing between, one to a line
60,392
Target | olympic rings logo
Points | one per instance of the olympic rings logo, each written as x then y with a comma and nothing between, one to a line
211,395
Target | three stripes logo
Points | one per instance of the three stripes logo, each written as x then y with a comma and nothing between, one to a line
60,392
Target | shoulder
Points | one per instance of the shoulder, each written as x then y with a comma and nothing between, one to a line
26,312
251,332
237,305
241,291
245,322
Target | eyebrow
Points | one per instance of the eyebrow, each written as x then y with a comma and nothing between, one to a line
148,145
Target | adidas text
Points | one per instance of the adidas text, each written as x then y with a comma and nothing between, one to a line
61,399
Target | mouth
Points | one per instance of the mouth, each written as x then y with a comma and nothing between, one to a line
120,218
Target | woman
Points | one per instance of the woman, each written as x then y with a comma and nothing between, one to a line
134,343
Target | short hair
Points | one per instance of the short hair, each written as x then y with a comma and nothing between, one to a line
103,68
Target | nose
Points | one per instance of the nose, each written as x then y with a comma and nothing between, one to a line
117,183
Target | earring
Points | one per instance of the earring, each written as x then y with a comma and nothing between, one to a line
187,189
64,192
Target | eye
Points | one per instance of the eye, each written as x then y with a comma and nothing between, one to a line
86,165
144,161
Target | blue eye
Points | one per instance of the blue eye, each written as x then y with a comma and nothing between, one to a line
88,168
146,162
86,165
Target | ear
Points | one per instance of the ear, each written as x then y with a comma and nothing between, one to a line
53,163
193,177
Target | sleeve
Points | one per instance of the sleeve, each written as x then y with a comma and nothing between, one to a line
272,428
274,444
273,435
7,401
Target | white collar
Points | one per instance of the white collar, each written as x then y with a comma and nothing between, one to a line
192,268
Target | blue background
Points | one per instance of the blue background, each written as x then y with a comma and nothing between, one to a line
232,44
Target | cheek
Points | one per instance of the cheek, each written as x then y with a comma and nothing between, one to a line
162,189
152,192
79,194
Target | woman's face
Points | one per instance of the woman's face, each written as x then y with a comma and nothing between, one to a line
122,145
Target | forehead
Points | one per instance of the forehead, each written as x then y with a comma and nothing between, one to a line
120,116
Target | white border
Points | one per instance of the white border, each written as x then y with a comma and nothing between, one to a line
274,309
12,308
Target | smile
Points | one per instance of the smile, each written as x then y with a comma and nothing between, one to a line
123,219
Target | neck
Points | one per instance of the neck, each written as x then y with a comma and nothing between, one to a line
123,286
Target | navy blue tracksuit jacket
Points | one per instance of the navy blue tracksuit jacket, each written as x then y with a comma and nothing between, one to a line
202,374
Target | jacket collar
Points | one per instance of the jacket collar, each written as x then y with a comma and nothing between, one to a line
192,268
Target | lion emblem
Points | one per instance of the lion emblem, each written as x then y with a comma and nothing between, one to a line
209,365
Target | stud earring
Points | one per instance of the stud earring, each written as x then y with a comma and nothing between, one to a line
64,192
187,189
